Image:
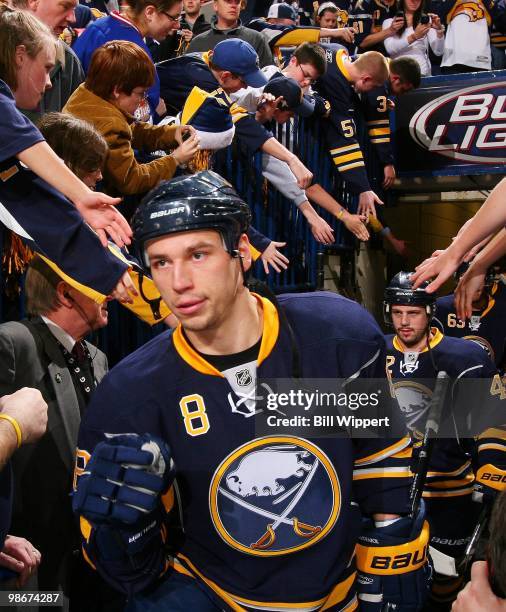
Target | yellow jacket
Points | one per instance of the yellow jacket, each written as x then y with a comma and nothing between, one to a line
123,134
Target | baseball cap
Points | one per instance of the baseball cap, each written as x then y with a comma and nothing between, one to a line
293,97
326,5
239,57
282,11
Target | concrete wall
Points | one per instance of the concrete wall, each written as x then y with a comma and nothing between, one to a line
429,223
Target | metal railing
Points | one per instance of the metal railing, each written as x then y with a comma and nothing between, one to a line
273,215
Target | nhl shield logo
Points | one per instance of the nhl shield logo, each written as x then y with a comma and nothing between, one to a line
243,377
274,496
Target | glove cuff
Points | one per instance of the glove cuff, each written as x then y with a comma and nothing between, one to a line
394,559
490,476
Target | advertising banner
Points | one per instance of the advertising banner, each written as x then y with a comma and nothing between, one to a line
452,125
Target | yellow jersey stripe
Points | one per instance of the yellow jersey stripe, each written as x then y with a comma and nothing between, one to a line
379,131
390,451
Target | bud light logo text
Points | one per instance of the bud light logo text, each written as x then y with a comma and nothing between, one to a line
468,124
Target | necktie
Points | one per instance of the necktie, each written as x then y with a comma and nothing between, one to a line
78,352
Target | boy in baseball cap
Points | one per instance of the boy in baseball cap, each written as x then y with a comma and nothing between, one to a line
239,57
293,100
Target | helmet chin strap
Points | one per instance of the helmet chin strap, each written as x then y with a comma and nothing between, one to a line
427,341
154,304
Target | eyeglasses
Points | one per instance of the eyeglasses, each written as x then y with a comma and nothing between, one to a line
142,95
306,76
171,17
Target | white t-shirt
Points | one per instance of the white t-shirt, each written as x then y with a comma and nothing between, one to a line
457,48
398,46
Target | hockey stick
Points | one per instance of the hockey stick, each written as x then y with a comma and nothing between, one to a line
431,431
475,538
427,444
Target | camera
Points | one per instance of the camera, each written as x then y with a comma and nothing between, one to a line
424,19
400,14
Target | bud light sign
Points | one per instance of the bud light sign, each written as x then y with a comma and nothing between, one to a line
457,128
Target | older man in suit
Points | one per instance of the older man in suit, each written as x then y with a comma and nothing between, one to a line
47,352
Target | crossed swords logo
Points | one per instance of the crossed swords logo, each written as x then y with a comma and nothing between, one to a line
301,529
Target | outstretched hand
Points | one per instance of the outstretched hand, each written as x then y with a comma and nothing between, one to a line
97,209
438,267
274,258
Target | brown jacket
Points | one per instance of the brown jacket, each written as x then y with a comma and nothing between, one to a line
123,134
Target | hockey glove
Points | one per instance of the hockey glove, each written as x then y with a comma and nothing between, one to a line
393,567
123,479
490,480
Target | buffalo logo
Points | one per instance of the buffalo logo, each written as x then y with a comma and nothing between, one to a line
485,345
342,18
274,495
243,377
414,401
466,125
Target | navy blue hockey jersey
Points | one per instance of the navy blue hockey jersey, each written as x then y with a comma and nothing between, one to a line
260,513
340,130
486,327
456,463
374,106
368,15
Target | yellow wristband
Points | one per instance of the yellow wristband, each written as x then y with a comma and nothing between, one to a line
16,426
341,213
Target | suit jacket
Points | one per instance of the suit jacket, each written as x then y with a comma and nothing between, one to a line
31,357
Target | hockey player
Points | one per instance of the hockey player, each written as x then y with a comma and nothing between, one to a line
415,355
487,323
260,514
342,77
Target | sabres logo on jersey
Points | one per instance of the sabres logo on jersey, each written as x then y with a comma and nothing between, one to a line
274,496
414,401
409,364
485,344
475,322
342,18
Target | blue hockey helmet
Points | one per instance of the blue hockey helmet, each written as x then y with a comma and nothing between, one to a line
400,292
187,203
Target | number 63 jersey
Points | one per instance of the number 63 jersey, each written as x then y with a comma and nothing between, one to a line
486,327
270,522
